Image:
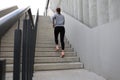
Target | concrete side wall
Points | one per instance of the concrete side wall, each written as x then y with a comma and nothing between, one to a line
7,10
98,48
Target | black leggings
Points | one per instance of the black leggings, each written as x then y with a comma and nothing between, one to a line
60,30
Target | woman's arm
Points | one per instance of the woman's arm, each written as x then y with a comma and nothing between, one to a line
53,21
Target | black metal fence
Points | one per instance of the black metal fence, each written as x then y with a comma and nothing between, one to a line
24,43
2,69
28,48
28,38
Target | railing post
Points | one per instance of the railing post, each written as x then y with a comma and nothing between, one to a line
17,54
30,49
27,59
33,49
34,39
25,51
2,69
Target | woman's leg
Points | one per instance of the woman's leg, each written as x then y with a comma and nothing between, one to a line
56,32
62,34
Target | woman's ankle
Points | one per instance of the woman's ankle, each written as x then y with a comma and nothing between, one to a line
62,52
57,47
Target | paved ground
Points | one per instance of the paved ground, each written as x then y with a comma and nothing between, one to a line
76,74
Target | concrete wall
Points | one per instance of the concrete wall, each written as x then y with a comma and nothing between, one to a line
98,48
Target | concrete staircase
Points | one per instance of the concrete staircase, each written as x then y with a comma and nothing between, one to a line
46,58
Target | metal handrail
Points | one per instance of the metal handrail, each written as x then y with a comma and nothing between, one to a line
8,20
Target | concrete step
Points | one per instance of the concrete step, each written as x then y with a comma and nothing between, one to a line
54,54
7,37
48,60
7,40
49,42
57,66
41,40
37,44
46,42
52,49
50,45
7,44
46,37
11,49
51,66
39,54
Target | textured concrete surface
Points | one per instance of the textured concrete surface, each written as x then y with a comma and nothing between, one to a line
76,74
92,13
102,11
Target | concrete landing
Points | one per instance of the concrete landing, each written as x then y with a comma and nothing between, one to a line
76,74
